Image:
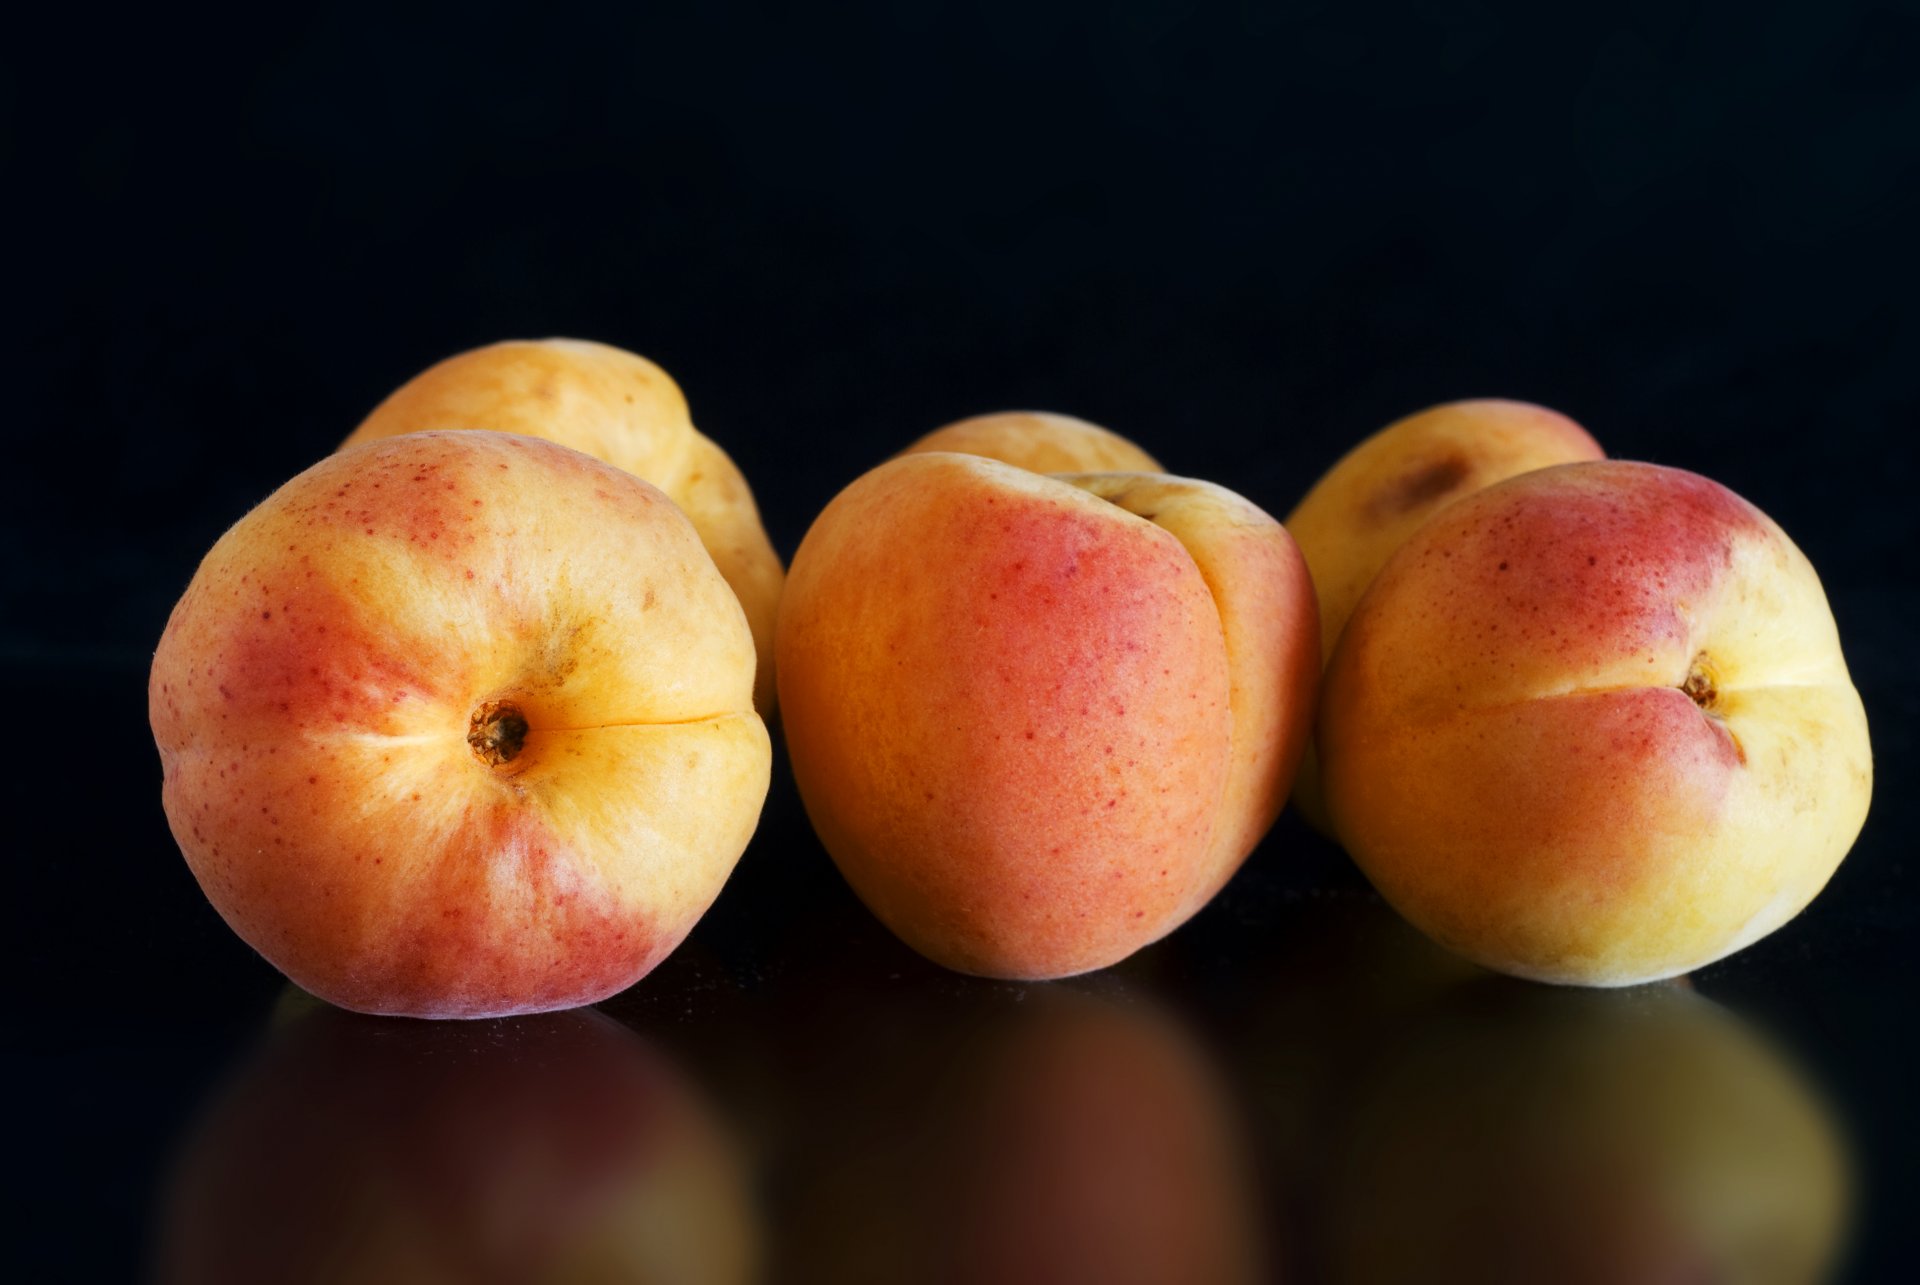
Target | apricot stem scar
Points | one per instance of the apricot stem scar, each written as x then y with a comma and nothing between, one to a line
1699,685
497,732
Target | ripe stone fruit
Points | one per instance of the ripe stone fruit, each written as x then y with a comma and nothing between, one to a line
1592,725
1040,442
1385,488
1039,721
459,725
619,407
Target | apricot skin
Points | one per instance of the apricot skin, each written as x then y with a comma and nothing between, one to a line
618,407
1388,486
1040,442
1592,725
1012,704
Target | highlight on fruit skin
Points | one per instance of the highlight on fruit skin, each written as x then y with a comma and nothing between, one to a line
1592,725
1040,442
460,724
1387,487
1039,721
618,407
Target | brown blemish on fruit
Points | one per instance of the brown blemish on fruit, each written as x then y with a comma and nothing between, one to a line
1420,487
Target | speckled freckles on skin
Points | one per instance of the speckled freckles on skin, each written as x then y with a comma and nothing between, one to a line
1383,490
1593,724
1609,586
1262,593
617,407
313,696
1010,714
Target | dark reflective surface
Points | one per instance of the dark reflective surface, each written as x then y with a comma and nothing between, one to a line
558,1147
1511,1134
1029,1135
1352,1106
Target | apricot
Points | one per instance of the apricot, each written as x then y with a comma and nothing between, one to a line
1593,725
460,724
1040,721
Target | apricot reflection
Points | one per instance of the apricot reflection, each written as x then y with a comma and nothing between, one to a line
1518,1133
365,1150
1010,1135
1397,1115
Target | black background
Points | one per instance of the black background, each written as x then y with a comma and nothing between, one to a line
1245,237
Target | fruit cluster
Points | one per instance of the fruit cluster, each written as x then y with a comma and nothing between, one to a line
469,719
